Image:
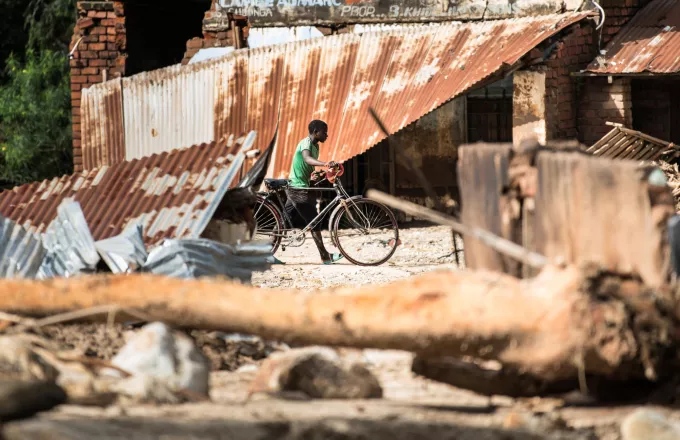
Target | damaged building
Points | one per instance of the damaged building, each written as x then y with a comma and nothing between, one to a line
442,74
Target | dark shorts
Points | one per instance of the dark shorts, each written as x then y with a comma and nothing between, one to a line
301,207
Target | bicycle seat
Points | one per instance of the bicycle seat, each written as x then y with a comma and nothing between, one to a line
274,184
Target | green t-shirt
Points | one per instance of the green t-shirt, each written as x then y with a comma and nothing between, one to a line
300,172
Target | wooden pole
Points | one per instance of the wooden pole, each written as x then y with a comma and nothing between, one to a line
500,244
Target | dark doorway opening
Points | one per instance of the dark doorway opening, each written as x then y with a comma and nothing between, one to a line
158,30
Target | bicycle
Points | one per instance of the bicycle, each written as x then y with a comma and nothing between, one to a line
352,220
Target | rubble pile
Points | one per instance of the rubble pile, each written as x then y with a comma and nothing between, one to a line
67,249
672,173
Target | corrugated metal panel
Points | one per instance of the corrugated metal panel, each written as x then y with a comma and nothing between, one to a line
482,174
443,61
597,210
265,70
172,195
101,112
404,73
623,143
231,95
169,108
21,252
649,43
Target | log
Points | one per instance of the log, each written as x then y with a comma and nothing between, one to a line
551,326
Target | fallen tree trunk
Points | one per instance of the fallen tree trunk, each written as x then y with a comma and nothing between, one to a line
551,326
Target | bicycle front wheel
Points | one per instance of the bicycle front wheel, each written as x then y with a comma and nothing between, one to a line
268,223
366,232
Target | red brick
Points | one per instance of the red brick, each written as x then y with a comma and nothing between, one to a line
111,47
100,14
76,144
195,43
118,8
110,14
75,95
88,54
97,63
98,46
111,31
92,14
94,79
109,22
78,79
85,23
75,87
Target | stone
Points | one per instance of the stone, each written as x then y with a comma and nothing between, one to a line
158,353
315,372
645,424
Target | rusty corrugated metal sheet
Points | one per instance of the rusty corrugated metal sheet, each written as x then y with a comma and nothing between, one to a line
173,195
624,143
482,174
650,43
597,210
403,73
103,142
169,108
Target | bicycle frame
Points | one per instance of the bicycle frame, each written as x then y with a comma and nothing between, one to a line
340,198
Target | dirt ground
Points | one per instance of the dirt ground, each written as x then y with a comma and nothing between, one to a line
412,407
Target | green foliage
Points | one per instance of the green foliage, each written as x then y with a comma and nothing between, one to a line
35,118
50,23
35,102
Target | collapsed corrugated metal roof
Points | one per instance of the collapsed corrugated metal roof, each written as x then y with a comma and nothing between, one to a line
649,43
404,74
171,195
624,143
21,252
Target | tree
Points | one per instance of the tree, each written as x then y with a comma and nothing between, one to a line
35,118
35,103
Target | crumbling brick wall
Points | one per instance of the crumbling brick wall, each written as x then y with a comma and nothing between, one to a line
219,31
98,44
571,55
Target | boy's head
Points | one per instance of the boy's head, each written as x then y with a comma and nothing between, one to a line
318,130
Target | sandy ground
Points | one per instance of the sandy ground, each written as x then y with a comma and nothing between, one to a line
412,407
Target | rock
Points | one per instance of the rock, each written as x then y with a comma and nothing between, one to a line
22,399
645,424
318,373
161,355
20,360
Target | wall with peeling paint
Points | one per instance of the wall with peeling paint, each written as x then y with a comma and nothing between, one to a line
334,12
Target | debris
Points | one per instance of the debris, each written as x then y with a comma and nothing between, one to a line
21,252
645,424
317,373
201,257
125,252
156,355
69,244
555,327
24,399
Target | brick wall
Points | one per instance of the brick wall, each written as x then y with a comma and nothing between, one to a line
602,102
219,31
100,54
571,55
618,13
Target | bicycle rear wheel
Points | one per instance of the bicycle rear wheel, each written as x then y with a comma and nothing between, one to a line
366,232
268,223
